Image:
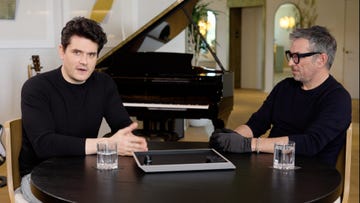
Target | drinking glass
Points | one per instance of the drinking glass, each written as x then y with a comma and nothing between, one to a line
107,156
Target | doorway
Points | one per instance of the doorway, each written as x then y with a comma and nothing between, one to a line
351,48
287,18
247,47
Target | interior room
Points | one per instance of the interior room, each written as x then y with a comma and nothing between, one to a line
248,38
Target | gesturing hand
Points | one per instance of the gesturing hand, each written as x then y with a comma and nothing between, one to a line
128,142
229,141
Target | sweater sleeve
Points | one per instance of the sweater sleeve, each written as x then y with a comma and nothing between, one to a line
115,113
260,121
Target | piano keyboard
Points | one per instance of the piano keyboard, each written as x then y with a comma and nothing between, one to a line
178,107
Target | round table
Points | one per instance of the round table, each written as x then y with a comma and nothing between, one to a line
76,179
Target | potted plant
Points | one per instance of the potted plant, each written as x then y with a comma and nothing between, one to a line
198,30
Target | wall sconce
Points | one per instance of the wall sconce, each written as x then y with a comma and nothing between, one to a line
287,22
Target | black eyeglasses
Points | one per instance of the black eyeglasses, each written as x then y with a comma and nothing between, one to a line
296,56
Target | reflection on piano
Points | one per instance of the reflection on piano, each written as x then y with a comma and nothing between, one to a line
161,88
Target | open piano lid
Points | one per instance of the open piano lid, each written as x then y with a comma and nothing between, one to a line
146,78
157,32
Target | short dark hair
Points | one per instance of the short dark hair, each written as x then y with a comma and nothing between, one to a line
83,27
320,40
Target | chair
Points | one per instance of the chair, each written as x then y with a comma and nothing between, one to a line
3,181
343,165
13,133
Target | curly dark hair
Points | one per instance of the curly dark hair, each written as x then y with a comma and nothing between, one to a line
83,27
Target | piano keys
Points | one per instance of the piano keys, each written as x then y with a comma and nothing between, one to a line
165,87
167,107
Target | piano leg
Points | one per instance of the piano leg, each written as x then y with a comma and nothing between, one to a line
162,130
179,128
218,123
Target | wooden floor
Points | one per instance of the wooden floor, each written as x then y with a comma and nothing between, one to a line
246,102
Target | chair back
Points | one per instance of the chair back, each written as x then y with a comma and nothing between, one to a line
13,133
343,165
3,181
2,146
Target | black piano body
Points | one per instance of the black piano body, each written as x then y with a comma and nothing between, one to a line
163,88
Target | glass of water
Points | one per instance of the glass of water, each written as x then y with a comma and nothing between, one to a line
107,156
284,156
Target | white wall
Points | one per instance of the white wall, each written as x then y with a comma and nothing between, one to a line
252,50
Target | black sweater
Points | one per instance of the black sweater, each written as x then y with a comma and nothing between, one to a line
315,119
58,116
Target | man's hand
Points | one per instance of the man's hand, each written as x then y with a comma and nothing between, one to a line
229,141
127,142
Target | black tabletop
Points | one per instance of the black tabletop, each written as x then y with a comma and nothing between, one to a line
76,179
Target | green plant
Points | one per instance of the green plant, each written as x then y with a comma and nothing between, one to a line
195,42
308,12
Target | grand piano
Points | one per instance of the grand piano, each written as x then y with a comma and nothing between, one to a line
164,88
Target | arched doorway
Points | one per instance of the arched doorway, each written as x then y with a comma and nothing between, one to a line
287,18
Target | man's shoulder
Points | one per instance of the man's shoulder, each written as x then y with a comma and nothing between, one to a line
42,79
333,86
48,74
331,81
288,82
101,77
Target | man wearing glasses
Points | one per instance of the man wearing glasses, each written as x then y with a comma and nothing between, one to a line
310,108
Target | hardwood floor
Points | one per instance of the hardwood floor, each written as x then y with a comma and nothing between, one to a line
246,102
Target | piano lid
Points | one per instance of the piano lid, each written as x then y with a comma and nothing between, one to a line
158,31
